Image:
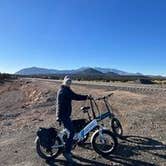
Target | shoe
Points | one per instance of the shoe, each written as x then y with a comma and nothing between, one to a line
68,157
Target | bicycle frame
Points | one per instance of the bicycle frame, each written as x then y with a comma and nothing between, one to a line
87,129
78,136
104,115
81,135
94,123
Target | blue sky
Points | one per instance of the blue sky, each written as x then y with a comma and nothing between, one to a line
66,34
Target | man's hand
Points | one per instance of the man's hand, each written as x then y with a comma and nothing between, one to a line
89,97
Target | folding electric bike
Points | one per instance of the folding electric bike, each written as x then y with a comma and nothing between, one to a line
103,140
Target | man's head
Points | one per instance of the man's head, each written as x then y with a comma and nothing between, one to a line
67,81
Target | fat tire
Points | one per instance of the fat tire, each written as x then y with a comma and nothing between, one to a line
42,155
115,120
113,137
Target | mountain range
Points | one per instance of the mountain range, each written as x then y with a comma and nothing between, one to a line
83,70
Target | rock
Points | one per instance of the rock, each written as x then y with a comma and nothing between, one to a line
7,124
27,82
23,106
49,99
15,151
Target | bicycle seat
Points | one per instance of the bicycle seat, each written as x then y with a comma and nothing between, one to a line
85,108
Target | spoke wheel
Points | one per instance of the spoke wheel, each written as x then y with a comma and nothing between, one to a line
48,153
104,143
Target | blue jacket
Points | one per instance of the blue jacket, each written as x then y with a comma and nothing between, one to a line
64,102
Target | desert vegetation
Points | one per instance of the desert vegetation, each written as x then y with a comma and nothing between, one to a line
103,78
6,76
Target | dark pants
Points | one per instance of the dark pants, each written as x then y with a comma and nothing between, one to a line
68,125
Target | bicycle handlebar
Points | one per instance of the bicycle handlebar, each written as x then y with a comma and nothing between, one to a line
101,98
104,97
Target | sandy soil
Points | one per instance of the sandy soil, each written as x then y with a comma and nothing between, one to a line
26,104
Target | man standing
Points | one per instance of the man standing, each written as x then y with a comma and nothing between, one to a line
63,111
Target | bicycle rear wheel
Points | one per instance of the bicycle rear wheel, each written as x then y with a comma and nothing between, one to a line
48,153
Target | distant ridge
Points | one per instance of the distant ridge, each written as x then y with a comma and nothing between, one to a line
35,71
88,71
119,72
83,70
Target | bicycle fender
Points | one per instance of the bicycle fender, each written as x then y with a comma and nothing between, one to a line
103,129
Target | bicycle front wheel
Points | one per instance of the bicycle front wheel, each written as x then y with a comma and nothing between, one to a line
117,127
104,142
